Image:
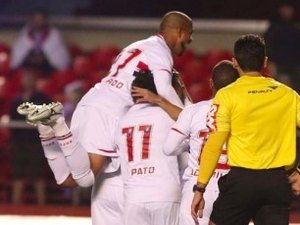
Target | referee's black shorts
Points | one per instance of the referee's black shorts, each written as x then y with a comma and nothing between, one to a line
247,194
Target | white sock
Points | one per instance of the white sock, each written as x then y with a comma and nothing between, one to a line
60,128
45,131
56,159
77,159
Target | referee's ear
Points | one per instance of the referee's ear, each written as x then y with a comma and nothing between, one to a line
235,63
236,66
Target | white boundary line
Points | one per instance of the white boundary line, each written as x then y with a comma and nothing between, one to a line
44,220
51,220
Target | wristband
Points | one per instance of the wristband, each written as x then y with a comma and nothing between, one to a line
199,189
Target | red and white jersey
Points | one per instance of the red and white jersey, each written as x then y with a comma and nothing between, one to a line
100,108
114,91
191,125
149,175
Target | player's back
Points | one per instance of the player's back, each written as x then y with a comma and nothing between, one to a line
148,174
114,91
192,123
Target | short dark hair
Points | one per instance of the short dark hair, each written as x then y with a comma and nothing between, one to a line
143,79
250,52
223,74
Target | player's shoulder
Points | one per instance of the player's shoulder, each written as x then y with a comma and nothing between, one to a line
196,107
202,104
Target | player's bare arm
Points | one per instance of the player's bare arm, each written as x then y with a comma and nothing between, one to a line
148,96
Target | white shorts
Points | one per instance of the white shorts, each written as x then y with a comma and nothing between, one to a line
107,204
95,128
210,195
151,213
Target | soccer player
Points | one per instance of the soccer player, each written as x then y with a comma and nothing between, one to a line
151,179
190,128
79,155
257,116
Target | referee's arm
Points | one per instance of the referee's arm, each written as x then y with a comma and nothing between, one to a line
210,156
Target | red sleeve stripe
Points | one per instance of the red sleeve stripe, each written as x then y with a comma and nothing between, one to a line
107,151
178,131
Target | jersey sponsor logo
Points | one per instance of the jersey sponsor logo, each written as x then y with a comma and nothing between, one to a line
142,170
211,118
267,90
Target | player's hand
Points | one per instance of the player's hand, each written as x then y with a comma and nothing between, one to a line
197,206
144,95
294,179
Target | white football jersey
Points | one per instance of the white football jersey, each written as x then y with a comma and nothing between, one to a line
191,123
114,91
149,175
111,98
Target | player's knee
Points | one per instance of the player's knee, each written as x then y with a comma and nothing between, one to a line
85,180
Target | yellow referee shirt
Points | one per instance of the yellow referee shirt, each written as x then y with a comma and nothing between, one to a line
260,115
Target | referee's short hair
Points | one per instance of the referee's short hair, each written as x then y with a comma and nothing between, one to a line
250,52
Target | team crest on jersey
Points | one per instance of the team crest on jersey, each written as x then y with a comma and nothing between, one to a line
211,118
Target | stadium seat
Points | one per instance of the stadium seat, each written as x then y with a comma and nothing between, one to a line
181,61
102,57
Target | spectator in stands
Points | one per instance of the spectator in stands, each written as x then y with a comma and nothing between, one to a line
25,145
40,46
283,44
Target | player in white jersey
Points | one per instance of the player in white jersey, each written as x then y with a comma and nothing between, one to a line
191,126
95,118
151,179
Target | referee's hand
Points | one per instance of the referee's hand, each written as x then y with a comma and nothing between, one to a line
197,206
294,179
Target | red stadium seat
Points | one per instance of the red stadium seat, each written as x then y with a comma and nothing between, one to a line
82,67
102,57
212,57
195,71
75,50
199,91
181,61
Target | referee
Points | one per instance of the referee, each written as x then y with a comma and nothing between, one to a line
257,117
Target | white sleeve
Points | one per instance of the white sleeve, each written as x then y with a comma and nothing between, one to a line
176,143
178,137
163,83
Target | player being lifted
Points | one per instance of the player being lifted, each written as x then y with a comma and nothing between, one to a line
78,155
